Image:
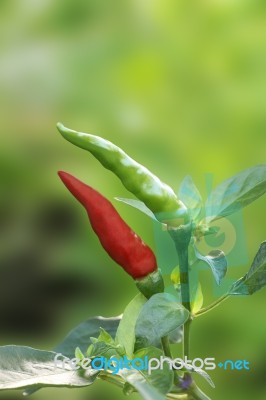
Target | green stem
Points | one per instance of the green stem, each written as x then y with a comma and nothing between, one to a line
185,294
186,338
167,352
212,305
184,276
112,379
166,346
181,238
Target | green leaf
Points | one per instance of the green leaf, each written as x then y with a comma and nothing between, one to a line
204,375
255,279
161,379
200,372
197,299
81,335
99,349
236,193
138,381
104,345
22,367
78,354
159,316
175,336
217,261
190,196
139,205
105,337
126,331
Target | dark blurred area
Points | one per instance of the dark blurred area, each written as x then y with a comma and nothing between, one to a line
178,85
32,296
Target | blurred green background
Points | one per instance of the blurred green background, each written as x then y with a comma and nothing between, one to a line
179,85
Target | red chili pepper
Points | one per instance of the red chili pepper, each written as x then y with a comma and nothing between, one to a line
121,243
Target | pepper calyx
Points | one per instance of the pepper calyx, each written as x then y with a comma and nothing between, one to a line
151,284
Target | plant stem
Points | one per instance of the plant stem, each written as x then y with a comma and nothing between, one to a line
185,294
184,275
111,379
166,346
167,352
212,305
186,337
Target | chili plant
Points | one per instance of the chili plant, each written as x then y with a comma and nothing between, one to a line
134,351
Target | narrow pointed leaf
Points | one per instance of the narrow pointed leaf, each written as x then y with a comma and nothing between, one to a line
255,279
190,196
236,193
197,299
126,330
105,337
204,375
139,205
200,372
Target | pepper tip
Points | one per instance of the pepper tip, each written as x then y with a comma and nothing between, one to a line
60,126
63,175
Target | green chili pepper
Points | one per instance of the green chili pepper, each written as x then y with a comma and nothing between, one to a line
147,187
